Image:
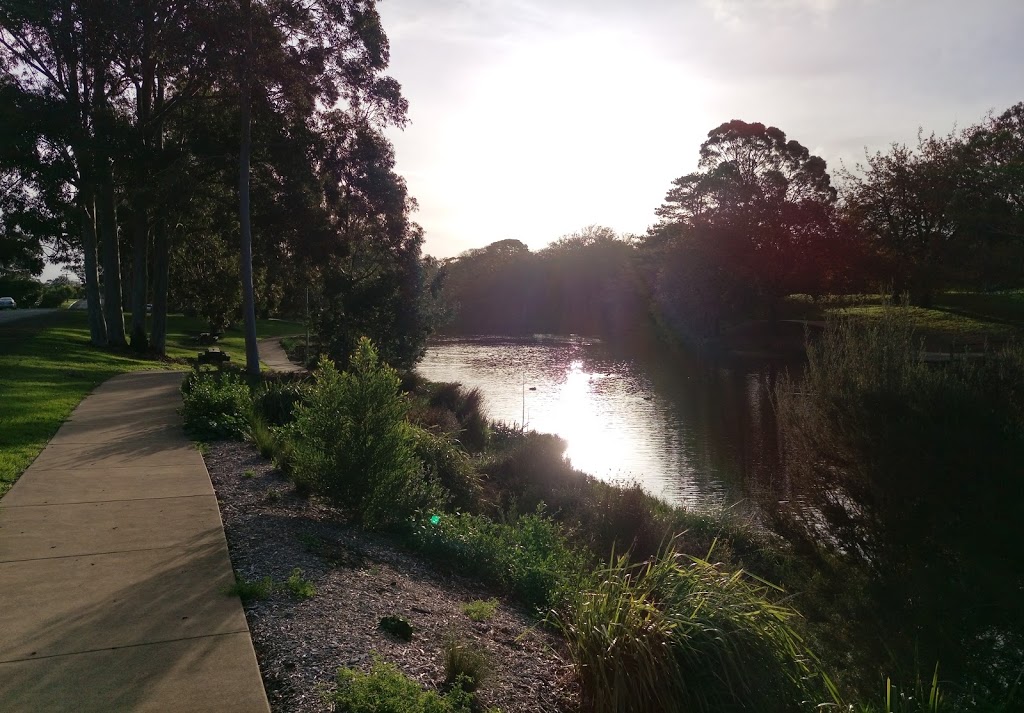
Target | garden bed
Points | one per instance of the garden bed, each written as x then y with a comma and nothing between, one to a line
360,578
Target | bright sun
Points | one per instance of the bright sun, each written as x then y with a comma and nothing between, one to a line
567,132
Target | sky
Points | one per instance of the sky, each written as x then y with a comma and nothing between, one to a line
531,119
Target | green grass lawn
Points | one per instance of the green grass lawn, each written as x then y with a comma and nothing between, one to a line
47,367
956,319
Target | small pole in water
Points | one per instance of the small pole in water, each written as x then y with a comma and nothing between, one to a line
523,422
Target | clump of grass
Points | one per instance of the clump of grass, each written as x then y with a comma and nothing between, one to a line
680,633
249,591
299,586
249,473
386,689
203,448
480,609
261,435
273,496
397,626
465,664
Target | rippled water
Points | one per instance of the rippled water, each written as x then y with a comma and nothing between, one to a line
690,431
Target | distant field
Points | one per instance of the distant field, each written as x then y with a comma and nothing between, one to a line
47,367
955,319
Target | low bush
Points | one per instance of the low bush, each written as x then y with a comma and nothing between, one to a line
467,407
217,405
480,609
678,633
528,555
275,401
386,690
351,441
300,586
445,462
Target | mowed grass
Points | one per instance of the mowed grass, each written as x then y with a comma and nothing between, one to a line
47,366
955,320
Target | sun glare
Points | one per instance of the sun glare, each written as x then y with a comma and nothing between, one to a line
566,132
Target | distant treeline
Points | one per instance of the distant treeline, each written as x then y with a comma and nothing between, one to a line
760,220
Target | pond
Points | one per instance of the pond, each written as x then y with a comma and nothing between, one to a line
692,431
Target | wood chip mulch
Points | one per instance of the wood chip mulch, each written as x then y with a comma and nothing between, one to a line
359,579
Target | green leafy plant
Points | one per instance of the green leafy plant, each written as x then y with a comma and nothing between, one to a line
273,495
300,587
252,590
397,626
480,609
384,689
465,664
351,441
249,473
445,462
216,405
529,555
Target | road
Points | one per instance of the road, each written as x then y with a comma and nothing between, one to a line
13,315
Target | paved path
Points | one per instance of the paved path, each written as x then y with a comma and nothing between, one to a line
113,566
16,315
273,355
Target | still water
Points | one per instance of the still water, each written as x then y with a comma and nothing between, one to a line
691,431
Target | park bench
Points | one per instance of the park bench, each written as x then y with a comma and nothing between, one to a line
215,356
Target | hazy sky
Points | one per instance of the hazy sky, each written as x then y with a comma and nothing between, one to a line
533,118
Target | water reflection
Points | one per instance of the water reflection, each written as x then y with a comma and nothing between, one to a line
689,431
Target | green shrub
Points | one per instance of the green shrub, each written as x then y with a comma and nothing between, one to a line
386,690
300,587
528,555
397,626
465,663
350,441
480,609
678,633
217,405
445,462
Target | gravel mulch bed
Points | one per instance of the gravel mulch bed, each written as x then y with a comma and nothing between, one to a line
360,578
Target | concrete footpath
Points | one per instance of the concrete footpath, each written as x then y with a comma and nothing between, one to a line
113,566
274,357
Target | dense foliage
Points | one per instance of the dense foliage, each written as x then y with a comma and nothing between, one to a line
132,127
352,442
909,476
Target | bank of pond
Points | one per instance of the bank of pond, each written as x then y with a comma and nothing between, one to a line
890,583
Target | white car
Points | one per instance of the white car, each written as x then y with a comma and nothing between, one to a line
8,303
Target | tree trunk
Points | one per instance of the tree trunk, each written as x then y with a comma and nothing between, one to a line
161,248
161,279
97,325
140,207
111,257
109,251
140,263
252,355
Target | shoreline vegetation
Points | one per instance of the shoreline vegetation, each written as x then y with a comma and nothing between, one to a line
768,617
